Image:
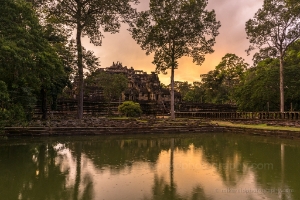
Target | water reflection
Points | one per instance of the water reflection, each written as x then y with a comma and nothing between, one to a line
161,189
204,166
30,172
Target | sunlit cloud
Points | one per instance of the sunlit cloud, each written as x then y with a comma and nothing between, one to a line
232,39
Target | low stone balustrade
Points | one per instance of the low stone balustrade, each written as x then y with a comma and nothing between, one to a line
241,115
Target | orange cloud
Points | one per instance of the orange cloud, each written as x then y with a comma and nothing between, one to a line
232,39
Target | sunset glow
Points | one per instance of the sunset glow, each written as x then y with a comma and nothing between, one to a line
232,39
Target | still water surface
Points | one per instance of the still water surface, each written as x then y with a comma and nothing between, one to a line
189,166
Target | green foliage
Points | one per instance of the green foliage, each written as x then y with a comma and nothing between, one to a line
16,115
89,18
9,113
21,52
130,109
260,86
29,59
231,68
182,87
162,85
173,29
230,71
112,84
195,93
4,95
273,29
219,84
57,37
4,98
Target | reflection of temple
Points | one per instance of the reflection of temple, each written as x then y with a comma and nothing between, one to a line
141,86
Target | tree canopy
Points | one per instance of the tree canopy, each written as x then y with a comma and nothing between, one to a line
272,30
173,29
230,71
195,93
219,84
259,88
28,61
89,18
112,84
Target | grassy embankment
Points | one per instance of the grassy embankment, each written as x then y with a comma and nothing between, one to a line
178,121
257,126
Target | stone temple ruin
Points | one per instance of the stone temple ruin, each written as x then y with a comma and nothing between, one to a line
141,86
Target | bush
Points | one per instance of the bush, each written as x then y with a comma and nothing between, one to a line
130,109
10,114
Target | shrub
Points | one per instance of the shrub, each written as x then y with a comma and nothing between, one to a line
10,113
130,109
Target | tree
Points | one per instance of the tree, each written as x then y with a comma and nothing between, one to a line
112,84
230,70
195,93
130,109
28,62
4,99
273,29
219,84
259,90
214,90
182,87
173,29
17,25
56,72
87,17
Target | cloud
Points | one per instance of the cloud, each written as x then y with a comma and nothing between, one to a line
232,39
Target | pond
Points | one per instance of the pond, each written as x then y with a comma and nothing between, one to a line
166,166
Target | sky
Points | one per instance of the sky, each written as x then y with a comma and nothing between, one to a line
232,14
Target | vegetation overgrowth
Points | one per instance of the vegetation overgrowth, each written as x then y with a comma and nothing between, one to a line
39,59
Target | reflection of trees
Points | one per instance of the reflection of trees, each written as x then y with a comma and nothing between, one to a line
224,155
233,156
78,169
172,168
33,173
88,191
161,190
38,171
84,180
50,181
122,153
16,168
290,172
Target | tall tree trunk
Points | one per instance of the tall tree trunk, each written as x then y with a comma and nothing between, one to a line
172,46
54,102
80,72
281,85
172,94
44,103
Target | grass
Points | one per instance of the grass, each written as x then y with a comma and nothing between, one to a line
118,118
257,126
